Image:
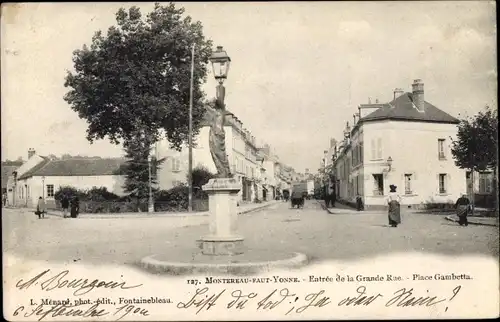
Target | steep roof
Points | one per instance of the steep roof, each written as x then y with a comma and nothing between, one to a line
30,172
403,108
77,167
7,169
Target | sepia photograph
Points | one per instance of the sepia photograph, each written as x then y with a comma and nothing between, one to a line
219,161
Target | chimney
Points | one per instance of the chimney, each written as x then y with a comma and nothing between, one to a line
31,152
354,119
418,95
376,101
333,142
398,92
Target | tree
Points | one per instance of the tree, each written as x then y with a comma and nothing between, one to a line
137,77
200,176
476,146
136,168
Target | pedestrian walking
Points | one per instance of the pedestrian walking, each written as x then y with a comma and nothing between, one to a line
75,207
359,203
333,197
327,197
394,203
65,206
462,206
41,208
4,199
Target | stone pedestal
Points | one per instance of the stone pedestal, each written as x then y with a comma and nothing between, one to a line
223,238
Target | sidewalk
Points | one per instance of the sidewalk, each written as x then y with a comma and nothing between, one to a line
243,209
341,209
481,221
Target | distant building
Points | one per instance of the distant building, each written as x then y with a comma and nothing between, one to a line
8,169
416,136
241,149
19,193
42,177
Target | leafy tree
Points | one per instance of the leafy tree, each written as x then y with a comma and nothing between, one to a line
200,176
136,168
137,77
476,145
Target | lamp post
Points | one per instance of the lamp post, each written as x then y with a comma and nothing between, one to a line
220,65
190,138
151,207
389,163
222,191
43,188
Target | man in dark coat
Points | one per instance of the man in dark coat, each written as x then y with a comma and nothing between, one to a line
65,205
75,207
463,206
41,208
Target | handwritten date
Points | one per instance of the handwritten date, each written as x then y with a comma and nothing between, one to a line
42,311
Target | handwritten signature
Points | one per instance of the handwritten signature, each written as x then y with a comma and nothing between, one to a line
82,286
292,302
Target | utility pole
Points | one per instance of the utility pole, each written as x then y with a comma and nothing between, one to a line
190,139
151,208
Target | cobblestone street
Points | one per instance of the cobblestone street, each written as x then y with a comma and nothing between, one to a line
311,230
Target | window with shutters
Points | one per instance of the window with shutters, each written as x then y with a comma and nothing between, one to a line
176,165
408,184
361,153
379,148
442,183
441,149
376,149
485,183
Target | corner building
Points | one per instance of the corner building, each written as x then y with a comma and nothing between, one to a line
405,142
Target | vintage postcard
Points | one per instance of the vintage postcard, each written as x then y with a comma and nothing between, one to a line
249,161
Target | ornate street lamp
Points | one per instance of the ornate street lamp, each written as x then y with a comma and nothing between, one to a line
389,162
347,131
220,65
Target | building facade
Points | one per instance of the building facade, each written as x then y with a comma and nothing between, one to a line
241,150
47,177
407,143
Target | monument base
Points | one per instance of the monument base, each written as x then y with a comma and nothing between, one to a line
223,210
189,261
216,245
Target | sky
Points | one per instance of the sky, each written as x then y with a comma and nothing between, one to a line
298,69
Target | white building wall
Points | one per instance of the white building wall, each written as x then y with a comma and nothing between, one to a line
29,190
170,175
413,147
17,194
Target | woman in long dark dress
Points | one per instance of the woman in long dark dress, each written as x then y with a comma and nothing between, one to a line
394,202
75,207
462,205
